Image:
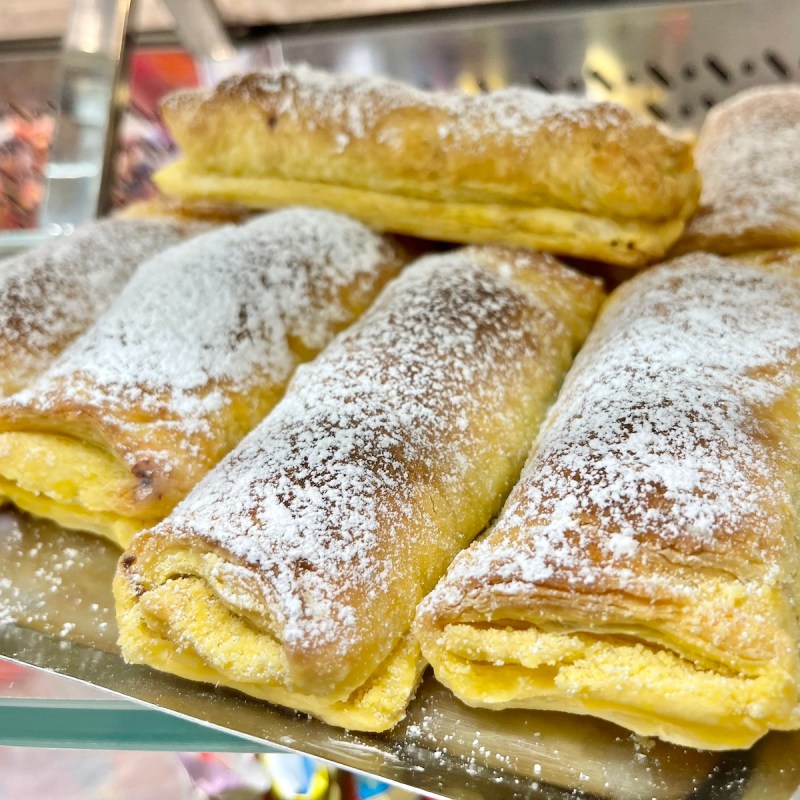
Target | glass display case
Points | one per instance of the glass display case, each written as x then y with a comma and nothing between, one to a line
671,61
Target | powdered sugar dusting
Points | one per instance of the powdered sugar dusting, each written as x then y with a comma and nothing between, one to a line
328,494
52,294
749,157
653,442
367,133
355,105
213,317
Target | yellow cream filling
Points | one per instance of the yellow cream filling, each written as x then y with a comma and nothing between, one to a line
545,228
648,690
75,483
182,627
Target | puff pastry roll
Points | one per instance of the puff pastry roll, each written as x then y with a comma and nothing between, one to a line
748,153
292,571
644,569
519,167
50,295
194,352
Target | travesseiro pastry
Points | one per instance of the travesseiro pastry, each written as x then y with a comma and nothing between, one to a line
748,154
50,295
517,166
644,569
197,348
292,571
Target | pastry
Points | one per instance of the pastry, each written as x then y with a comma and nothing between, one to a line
748,153
292,571
516,166
52,294
188,210
644,569
193,353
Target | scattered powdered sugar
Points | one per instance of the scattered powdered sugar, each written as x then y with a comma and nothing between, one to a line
653,441
53,294
55,581
749,157
9,601
324,495
215,315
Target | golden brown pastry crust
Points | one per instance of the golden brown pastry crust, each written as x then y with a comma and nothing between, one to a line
748,154
514,166
187,210
340,511
195,351
644,569
52,294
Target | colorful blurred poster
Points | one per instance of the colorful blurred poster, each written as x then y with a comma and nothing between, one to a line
143,144
24,140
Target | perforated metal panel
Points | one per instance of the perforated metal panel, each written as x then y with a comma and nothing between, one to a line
672,61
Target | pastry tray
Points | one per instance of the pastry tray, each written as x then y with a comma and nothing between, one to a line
56,585
670,60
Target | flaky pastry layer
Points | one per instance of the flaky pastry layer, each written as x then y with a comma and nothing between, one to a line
86,492
644,569
512,167
648,677
185,628
552,229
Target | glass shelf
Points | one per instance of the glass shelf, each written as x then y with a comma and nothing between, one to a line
12,242
109,725
39,709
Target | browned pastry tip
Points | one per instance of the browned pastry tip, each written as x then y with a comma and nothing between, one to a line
188,210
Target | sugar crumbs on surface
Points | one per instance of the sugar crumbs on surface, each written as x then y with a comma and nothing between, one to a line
653,434
358,433
211,315
48,576
10,606
51,294
464,747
